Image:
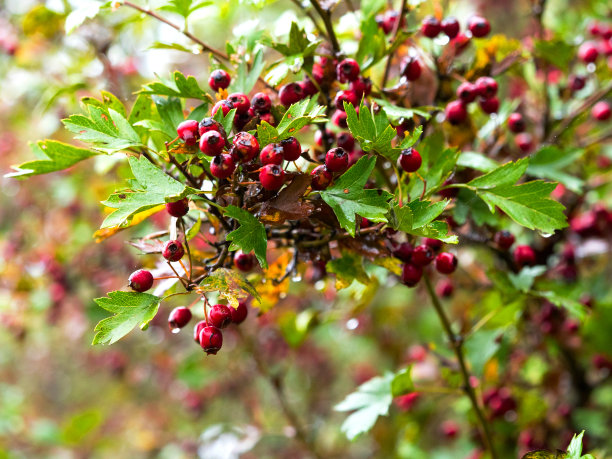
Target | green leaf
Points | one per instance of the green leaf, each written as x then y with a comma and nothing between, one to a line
129,310
476,161
266,134
508,174
246,79
372,131
178,86
548,163
479,349
88,9
227,121
303,113
574,450
230,284
395,112
57,156
507,107
347,197
402,383
154,187
184,7
438,163
575,308
523,281
469,204
347,269
425,212
370,400
372,49
417,217
555,51
543,454
249,236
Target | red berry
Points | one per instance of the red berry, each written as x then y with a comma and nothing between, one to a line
178,318
435,244
321,178
588,52
292,150
449,429
601,111
141,280
479,26
222,166
339,118
242,119
403,252
246,147
240,313
173,250
411,274
197,329
411,68
467,92
362,86
444,288
220,316
524,256
178,208
516,123
261,102
594,28
446,263
212,143
273,153
486,87
576,82
188,132
422,255
489,105
308,87
272,177
387,21
290,94
244,261
210,124
410,160
336,160
219,79
224,105
504,239
347,70
345,96
450,27
346,140
268,118
455,112
211,339
524,141
431,27
330,136
240,102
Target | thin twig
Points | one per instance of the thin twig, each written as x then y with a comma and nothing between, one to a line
326,17
312,18
396,29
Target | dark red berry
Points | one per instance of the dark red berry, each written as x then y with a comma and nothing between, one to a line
576,82
240,102
422,255
410,160
197,329
330,136
211,339
290,94
272,177
246,147
222,166
178,318
455,112
387,21
411,68
601,111
486,87
362,86
292,150
188,132
220,316
431,27
240,313
479,26
242,119
339,118
212,143
244,261
504,239
224,105
516,123
308,87
594,28
524,256
444,288
588,52
261,102
321,178
273,153
450,27
345,96
336,160
219,79
435,244
178,208
524,141
141,280
268,118
490,105
467,92
403,252
173,250
210,124
347,70
446,263
411,274
346,140
449,429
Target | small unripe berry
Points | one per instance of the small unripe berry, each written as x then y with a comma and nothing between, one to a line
290,93
292,150
273,153
173,250
601,111
178,318
240,102
504,239
321,178
446,263
219,79
411,274
240,313
346,140
410,160
261,102
211,339
431,27
197,329
339,118
212,143
272,177
455,112
222,166
347,70
178,208
422,255
329,135
403,252
450,27
524,256
479,26
224,105
246,147
490,105
362,86
345,96
486,87
210,124
411,68
336,160
516,123
244,261
467,92
141,280
588,52
187,131
524,141
220,316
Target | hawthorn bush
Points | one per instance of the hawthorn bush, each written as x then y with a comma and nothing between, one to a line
366,169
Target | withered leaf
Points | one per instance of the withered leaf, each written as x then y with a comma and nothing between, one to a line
288,205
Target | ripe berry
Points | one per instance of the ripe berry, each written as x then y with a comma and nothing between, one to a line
403,252
210,124
594,28
486,87
224,105
411,274
339,118
444,288
240,102
273,153
272,177
576,82
173,250
411,68
601,111
211,339
431,27
347,70
178,318
345,96
188,132
479,26
222,166
449,429
588,52
212,143
321,177
422,255
290,94
220,316
410,160
504,239
490,105
362,86
329,135
435,244
387,21
524,256
455,112
241,120
308,87
516,123
197,329
178,208
219,79
240,313
524,141
268,118
261,102
346,140
450,27
292,149
446,263
336,160
467,92
244,261
141,280
245,148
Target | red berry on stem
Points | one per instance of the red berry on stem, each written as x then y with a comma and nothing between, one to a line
422,255
444,288
240,313
504,239
446,263
450,27
273,153
479,26
240,102
403,252
308,87
224,105
516,123
222,166
588,52
220,316
435,244
173,250
486,87
339,118
576,82
268,118
336,160
345,96
178,318
524,141
211,339
431,27
346,140
601,111
141,280
292,150
321,178
347,70
197,329
411,274
410,160
246,147
219,79
187,131
178,208
330,136
290,93
212,143
490,105
261,102
524,256
411,68
272,177
467,92
455,112
362,86
210,124
244,261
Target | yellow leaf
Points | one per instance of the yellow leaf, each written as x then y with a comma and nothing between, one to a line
269,291
105,233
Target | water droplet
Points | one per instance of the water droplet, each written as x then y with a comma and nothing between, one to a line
175,330
296,278
352,324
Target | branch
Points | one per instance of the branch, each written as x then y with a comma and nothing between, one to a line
326,16
397,28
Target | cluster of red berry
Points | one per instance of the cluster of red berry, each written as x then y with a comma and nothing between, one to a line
484,88
478,27
415,259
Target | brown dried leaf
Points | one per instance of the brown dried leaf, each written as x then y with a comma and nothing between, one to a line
288,205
